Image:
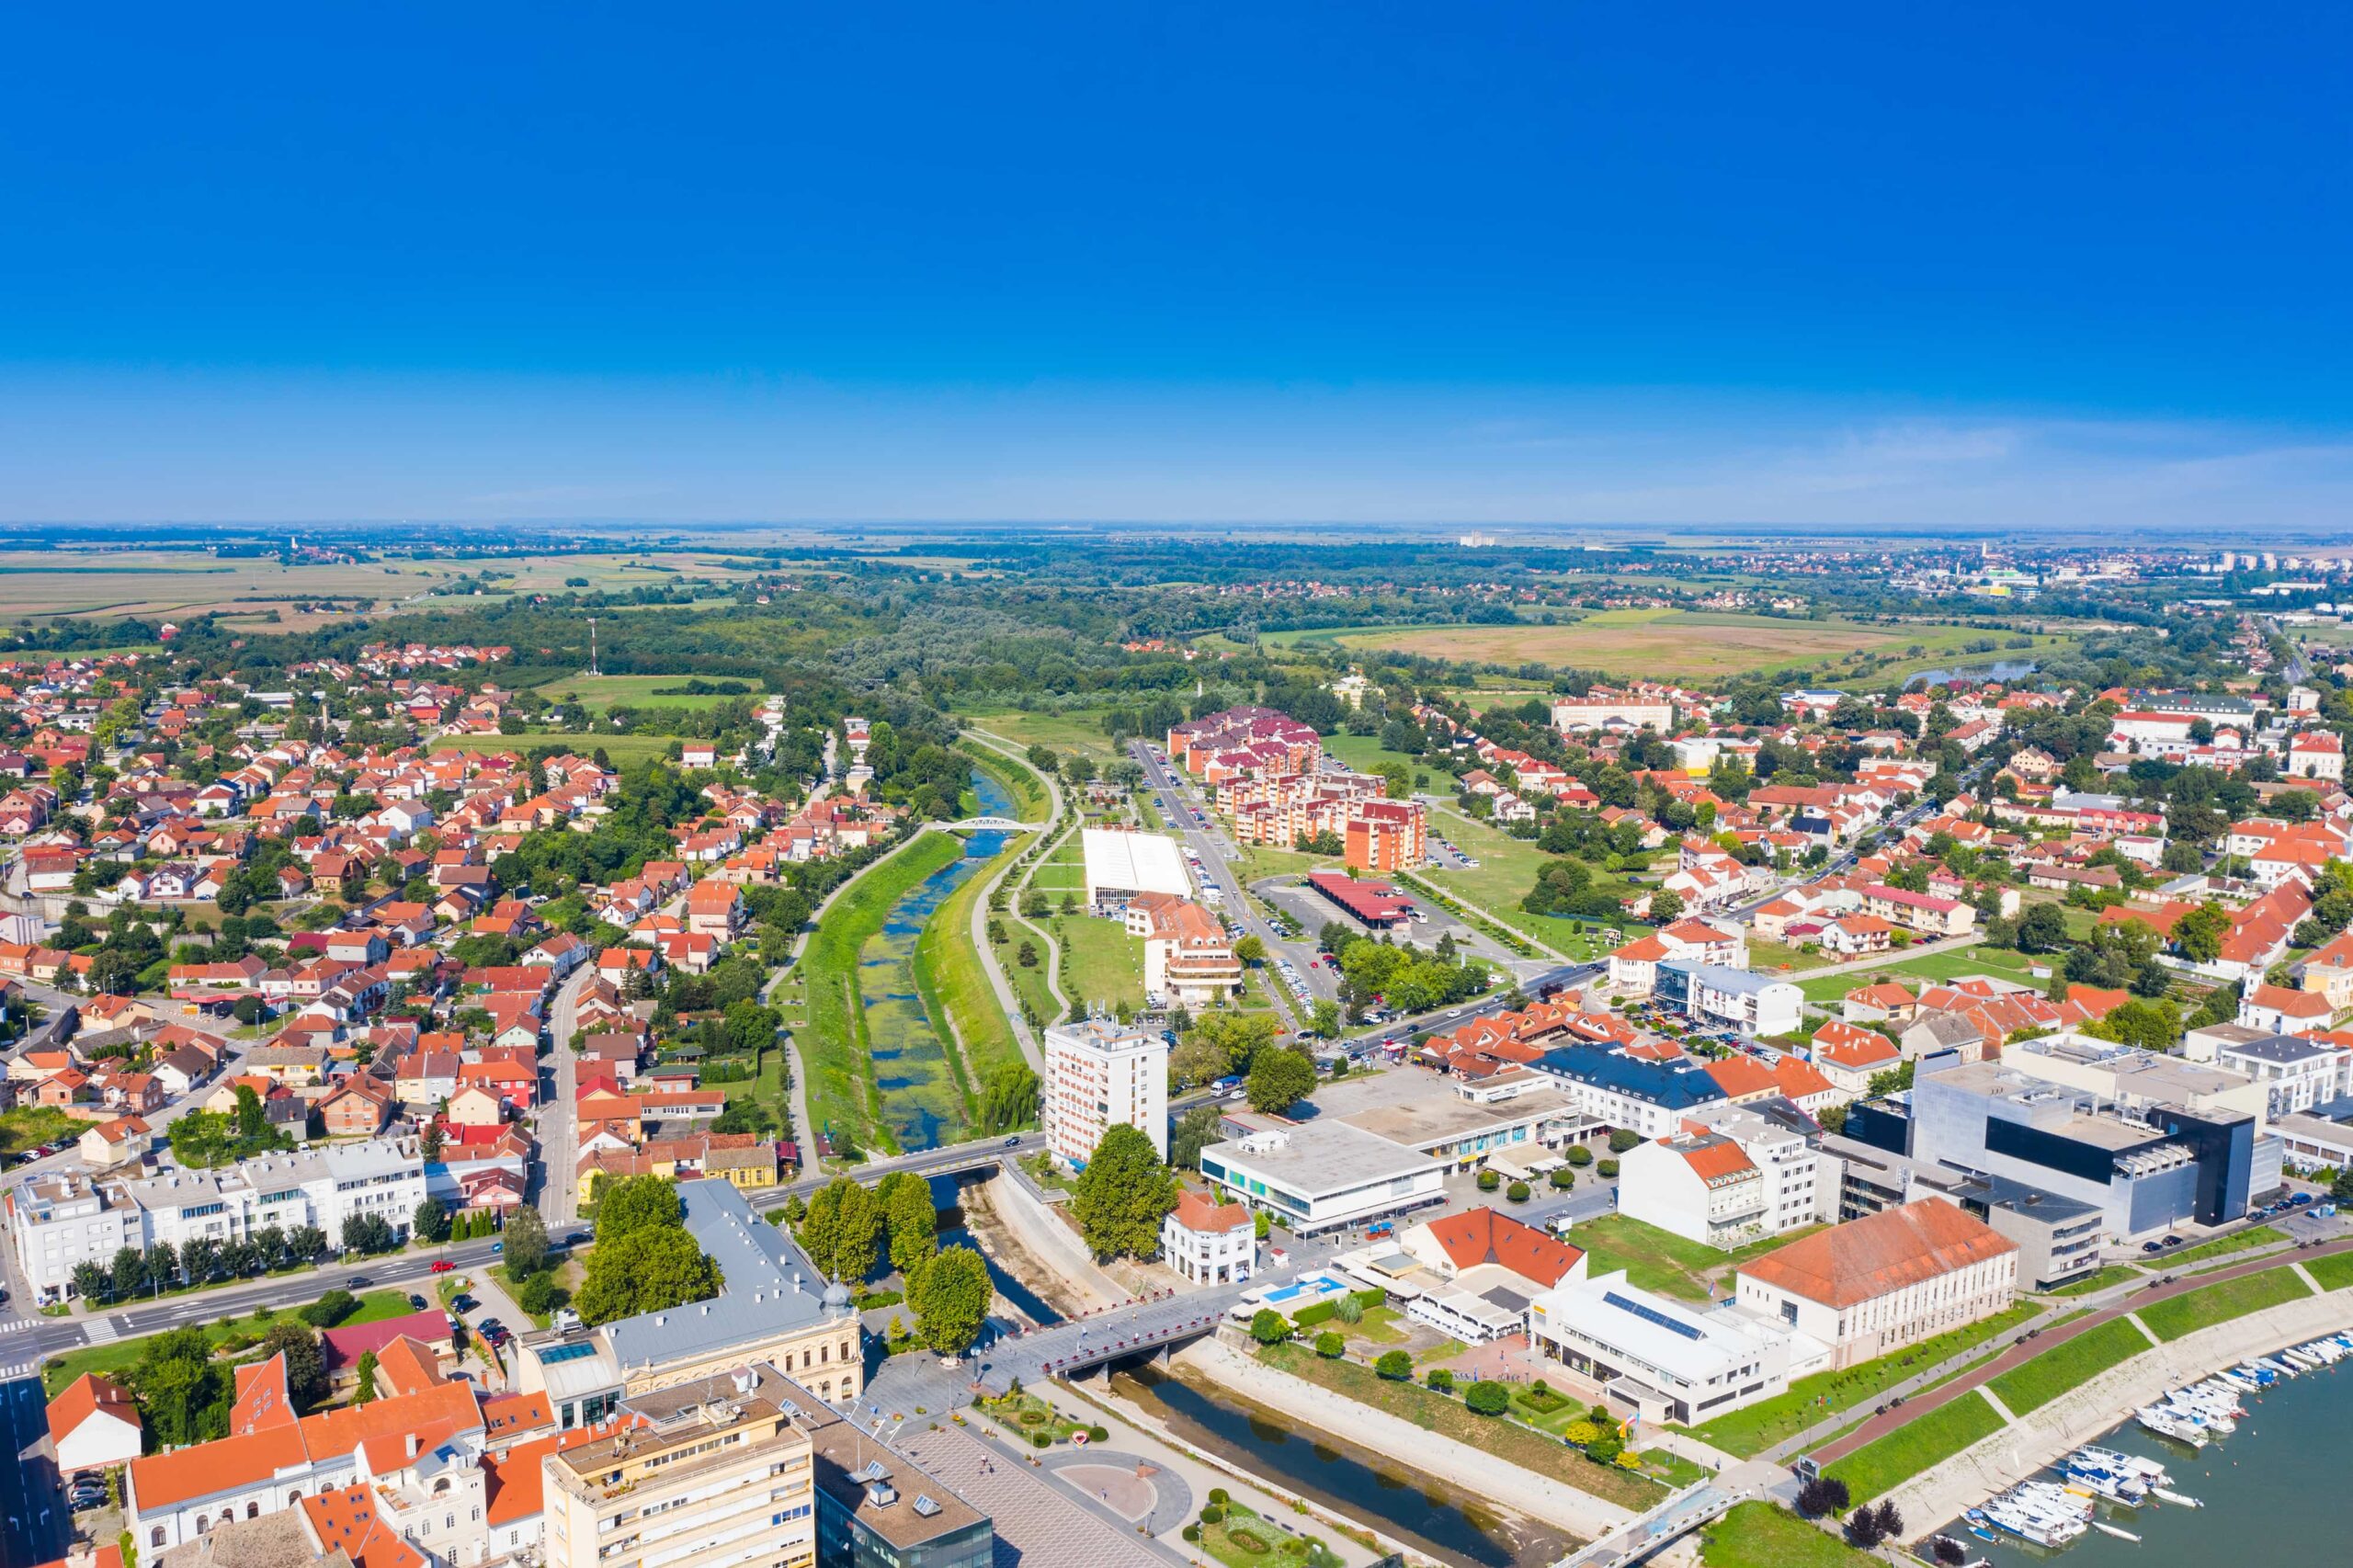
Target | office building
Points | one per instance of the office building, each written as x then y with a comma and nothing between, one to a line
1732,1176
717,1475
1667,1361
1720,997
1100,1075
1320,1174
877,1507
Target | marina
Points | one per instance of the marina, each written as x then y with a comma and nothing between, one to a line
2190,1478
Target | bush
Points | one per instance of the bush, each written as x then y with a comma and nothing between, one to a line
1490,1181
1349,1309
1563,1178
1577,1434
1098,1433
1394,1365
1825,1495
1220,1496
1580,1156
1607,1169
1246,1539
1313,1313
1042,1439
330,1308
1268,1326
1192,1534
1213,1513
1517,1192
1487,1398
1621,1140
1330,1346
1440,1380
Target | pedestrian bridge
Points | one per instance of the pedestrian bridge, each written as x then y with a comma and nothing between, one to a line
989,824
1701,1503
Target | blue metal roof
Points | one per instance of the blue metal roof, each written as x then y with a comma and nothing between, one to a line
1675,1085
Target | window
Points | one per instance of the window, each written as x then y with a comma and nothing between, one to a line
253,1510
156,1537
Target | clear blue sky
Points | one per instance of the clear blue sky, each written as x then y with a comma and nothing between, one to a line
2001,264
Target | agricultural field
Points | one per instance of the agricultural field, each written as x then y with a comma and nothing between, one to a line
1695,646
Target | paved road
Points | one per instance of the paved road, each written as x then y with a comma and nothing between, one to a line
559,1121
38,1525
1214,850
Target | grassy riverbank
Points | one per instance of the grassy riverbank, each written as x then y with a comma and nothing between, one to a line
835,1046
1030,803
954,987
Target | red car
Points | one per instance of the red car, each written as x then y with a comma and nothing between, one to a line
441,1266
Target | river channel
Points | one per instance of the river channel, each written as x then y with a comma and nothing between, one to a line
1352,1482
919,1101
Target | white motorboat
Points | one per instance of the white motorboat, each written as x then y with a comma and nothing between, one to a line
2178,1499
2120,1534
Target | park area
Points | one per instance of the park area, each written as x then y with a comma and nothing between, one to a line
2068,1364
1661,1261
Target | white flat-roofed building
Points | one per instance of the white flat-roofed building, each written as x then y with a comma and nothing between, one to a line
1668,1360
1718,993
1099,1074
2294,1073
1321,1173
1121,864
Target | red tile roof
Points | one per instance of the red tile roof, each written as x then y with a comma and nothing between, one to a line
89,1396
1482,1236
1864,1259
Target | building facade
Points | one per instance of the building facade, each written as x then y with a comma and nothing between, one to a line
1100,1075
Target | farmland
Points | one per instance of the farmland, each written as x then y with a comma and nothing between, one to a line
1677,644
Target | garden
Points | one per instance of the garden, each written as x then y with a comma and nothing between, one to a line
1241,1538
1034,1422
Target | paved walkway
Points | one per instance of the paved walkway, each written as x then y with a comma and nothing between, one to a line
981,943
2130,1299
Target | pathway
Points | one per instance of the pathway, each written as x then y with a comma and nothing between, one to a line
980,944
2126,1300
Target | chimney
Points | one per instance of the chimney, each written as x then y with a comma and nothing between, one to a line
412,1445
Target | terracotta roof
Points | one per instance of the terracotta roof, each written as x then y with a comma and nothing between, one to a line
1864,1259
204,1470
2289,1003
89,1396
1887,993
514,1478
1712,1158
1199,1212
340,1347
1740,1077
506,1413
346,1521
1851,1047
262,1400
1482,1236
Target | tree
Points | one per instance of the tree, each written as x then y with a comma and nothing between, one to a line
1394,1365
1622,1140
1279,1078
1517,1192
638,1203
429,1142
183,1389
1199,1126
912,1222
2199,932
330,1308
1330,1346
842,1233
251,1122
306,1369
951,1298
1666,904
1009,1098
1824,1495
526,1241
1123,1196
1487,1397
1250,949
1563,1178
366,1393
2042,929
646,1271
431,1222
368,1233
1268,1326
1325,1017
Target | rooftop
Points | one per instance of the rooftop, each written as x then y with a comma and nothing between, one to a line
1866,1258
769,1286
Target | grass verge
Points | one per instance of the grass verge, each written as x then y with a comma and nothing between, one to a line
2035,1383
2170,1319
120,1356
1758,1535
1882,1466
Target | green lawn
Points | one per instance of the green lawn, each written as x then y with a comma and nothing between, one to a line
2099,1279
2169,1320
2002,963
1078,730
2222,1246
1661,1261
1103,964
1882,1466
2067,1365
601,694
948,973
120,1355
833,1044
1758,1535
1507,1441
1028,983
2334,1272
1754,1428
1367,755
619,750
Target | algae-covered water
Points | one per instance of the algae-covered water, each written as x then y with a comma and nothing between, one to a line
920,1104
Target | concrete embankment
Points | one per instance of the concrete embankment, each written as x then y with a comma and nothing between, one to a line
2081,1414
1456,1464
1033,1246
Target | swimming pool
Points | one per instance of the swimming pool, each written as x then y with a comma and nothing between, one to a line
1306,1288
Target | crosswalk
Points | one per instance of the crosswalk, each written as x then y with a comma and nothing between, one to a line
101,1330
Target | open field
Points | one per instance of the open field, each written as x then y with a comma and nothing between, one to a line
1102,964
1678,644
2178,1315
1758,1535
1506,872
1756,1428
2002,963
601,694
2068,1364
1077,730
2222,1246
178,585
1903,1453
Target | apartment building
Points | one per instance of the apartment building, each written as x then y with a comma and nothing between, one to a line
1731,1175
1385,836
717,1475
1100,1075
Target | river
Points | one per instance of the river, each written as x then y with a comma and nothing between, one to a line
1353,1482
1999,670
919,1099
2272,1490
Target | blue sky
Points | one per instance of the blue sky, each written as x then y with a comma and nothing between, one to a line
2011,266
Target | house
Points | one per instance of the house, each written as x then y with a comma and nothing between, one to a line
95,1424
2275,1009
122,1141
341,1348
1208,1242
1491,1266
1849,1057
358,1108
475,1105
1884,1280
1885,1001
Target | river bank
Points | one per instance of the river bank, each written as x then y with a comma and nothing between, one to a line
2027,1445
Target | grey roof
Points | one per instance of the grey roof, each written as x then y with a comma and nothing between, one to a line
1723,977
2282,1049
769,1286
